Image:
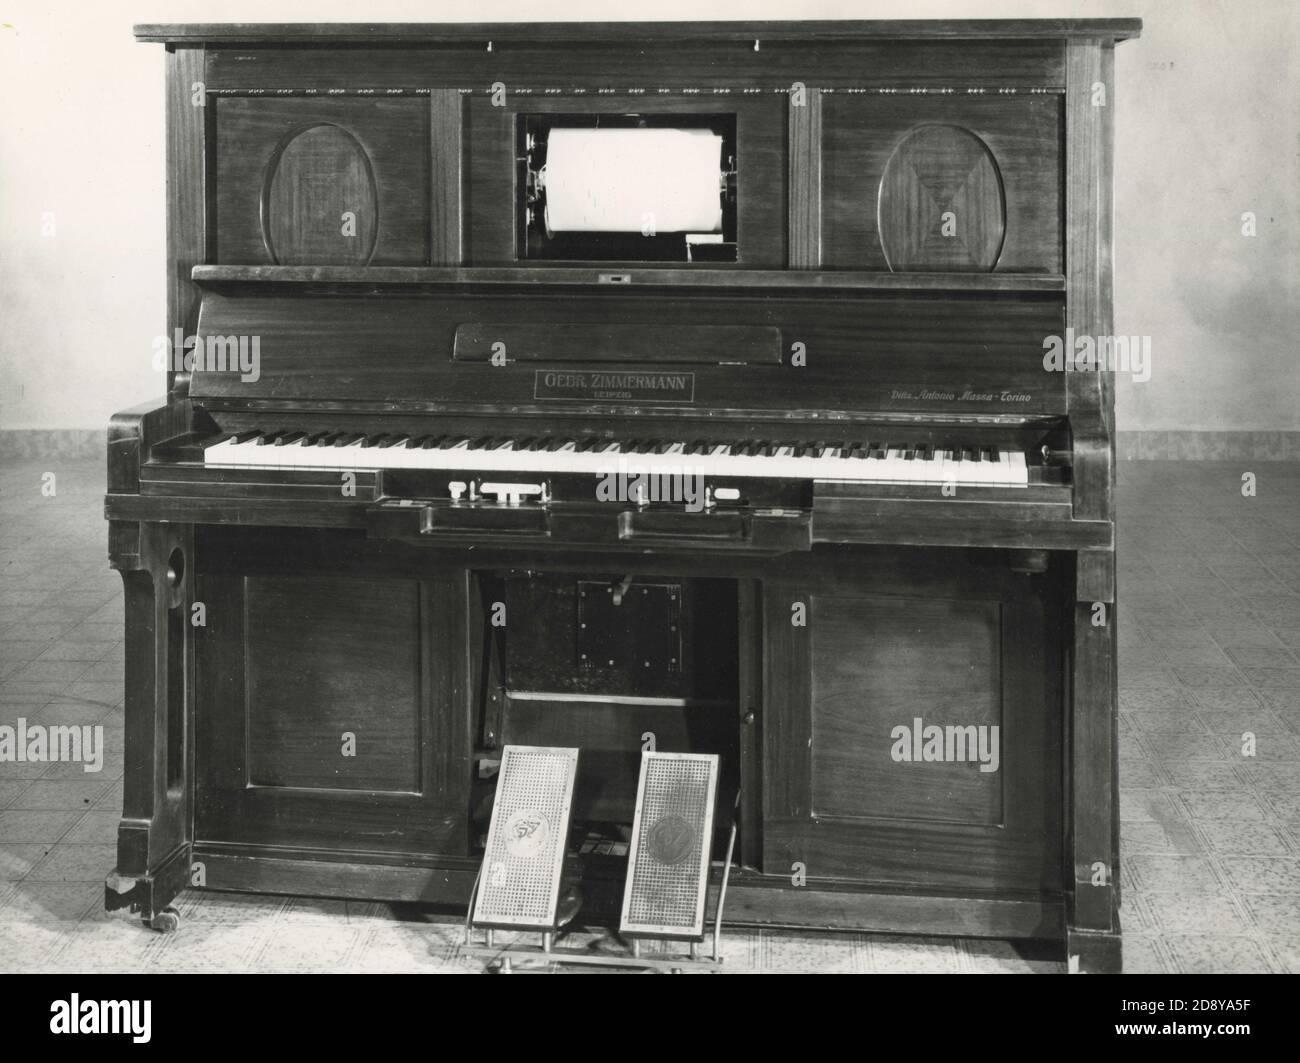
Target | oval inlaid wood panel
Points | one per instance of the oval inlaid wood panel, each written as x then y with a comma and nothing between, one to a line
320,205
941,203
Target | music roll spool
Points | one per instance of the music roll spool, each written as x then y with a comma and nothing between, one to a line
633,181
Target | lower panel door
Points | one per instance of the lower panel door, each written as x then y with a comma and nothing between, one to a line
331,714
912,728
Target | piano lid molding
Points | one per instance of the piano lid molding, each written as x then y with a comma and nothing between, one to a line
532,33
376,277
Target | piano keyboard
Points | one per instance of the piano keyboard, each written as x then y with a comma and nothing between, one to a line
857,462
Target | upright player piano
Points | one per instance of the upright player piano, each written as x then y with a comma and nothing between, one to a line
611,387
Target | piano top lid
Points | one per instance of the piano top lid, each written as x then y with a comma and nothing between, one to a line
1115,29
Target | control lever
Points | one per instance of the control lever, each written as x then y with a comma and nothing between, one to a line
513,493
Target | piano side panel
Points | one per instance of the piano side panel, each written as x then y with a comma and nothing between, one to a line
188,192
932,355
1093,825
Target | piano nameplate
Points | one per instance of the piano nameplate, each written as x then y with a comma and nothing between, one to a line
603,385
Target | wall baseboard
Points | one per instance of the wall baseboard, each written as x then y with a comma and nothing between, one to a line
1208,446
32,444
35,443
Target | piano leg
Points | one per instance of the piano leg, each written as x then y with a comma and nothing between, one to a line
155,834
1093,928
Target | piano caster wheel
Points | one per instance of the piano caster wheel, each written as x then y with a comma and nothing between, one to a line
165,922
506,967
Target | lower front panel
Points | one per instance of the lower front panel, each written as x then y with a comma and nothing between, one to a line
352,697
324,721
914,726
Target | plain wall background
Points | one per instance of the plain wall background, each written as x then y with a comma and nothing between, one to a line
1208,108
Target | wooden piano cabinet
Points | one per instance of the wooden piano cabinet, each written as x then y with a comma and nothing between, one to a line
314,695
913,726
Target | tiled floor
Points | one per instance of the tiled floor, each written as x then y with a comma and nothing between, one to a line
1210,655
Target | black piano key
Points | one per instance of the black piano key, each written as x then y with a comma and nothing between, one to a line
346,439
995,454
451,441
416,442
392,441
527,443
431,441
584,446
555,444
698,446
664,446
644,446
267,439
480,443
373,441
244,437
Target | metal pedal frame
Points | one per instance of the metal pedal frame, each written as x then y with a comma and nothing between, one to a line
547,955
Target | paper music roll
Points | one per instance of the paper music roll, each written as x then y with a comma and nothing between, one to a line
633,180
